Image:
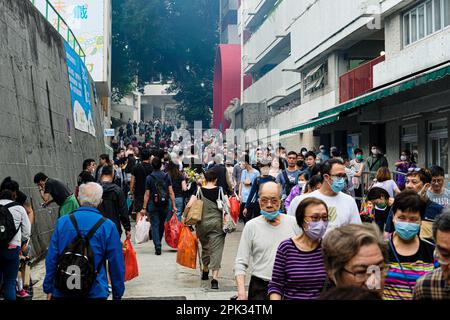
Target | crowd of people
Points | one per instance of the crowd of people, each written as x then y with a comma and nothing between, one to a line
316,225
156,133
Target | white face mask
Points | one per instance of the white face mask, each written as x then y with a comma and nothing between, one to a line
302,185
403,158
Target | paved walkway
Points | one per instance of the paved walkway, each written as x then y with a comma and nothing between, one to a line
160,277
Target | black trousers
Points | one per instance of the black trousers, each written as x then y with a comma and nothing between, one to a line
253,211
257,289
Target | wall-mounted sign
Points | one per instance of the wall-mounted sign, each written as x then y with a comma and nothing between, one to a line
80,92
110,133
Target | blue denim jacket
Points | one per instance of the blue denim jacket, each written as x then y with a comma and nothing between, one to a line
105,244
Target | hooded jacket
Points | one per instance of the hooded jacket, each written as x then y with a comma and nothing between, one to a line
114,206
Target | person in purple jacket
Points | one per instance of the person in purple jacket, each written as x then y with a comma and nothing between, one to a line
297,190
299,270
406,161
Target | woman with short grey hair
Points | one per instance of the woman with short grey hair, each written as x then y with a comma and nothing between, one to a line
356,255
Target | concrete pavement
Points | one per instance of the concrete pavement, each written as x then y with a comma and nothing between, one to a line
160,277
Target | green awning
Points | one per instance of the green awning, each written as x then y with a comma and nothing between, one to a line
385,92
332,115
312,124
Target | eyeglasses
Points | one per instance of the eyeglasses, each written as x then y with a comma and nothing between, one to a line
274,201
362,276
414,169
438,257
317,218
339,176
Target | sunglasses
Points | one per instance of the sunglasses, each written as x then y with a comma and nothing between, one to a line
414,169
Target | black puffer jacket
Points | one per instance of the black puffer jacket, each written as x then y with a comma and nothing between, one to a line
114,206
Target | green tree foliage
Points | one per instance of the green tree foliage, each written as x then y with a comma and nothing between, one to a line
174,38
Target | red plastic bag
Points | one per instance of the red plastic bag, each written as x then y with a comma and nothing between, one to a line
235,208
172,230
187,249
131,265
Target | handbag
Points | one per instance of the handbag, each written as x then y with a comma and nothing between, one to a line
193,212
228,225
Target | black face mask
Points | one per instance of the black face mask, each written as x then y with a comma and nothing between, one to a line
300,163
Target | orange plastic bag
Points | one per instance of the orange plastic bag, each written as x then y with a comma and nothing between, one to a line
187,249
131,265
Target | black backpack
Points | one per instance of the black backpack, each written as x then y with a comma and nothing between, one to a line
7,225
77,260
160,196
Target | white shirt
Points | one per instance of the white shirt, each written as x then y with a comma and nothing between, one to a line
388,185
342,208
20,217
260,241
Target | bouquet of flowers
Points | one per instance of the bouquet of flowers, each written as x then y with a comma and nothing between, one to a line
367,212
193,177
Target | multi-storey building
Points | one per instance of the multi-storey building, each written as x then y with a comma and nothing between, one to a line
349,73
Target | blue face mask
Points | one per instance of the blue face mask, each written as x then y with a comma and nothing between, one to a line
407,230
270,215
338,185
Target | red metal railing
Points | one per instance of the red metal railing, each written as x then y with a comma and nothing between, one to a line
357,81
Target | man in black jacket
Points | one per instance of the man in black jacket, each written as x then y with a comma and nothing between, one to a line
139,175
114,206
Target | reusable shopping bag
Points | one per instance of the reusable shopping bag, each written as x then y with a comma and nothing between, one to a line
229,225
194,210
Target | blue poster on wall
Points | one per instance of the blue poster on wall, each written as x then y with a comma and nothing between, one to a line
80,91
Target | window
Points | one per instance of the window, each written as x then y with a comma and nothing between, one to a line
437,125
429,17
446,13
438,144
425,19
410,130
409,140
406,29
437,15
315,79
421,17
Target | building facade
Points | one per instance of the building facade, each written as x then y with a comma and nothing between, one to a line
349,73
227,69
151,103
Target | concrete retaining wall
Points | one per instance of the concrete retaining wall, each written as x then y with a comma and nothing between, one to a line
36,122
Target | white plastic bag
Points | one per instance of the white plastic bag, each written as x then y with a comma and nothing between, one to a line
142,230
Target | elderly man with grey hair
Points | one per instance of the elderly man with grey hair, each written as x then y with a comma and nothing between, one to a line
104,242
259,243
